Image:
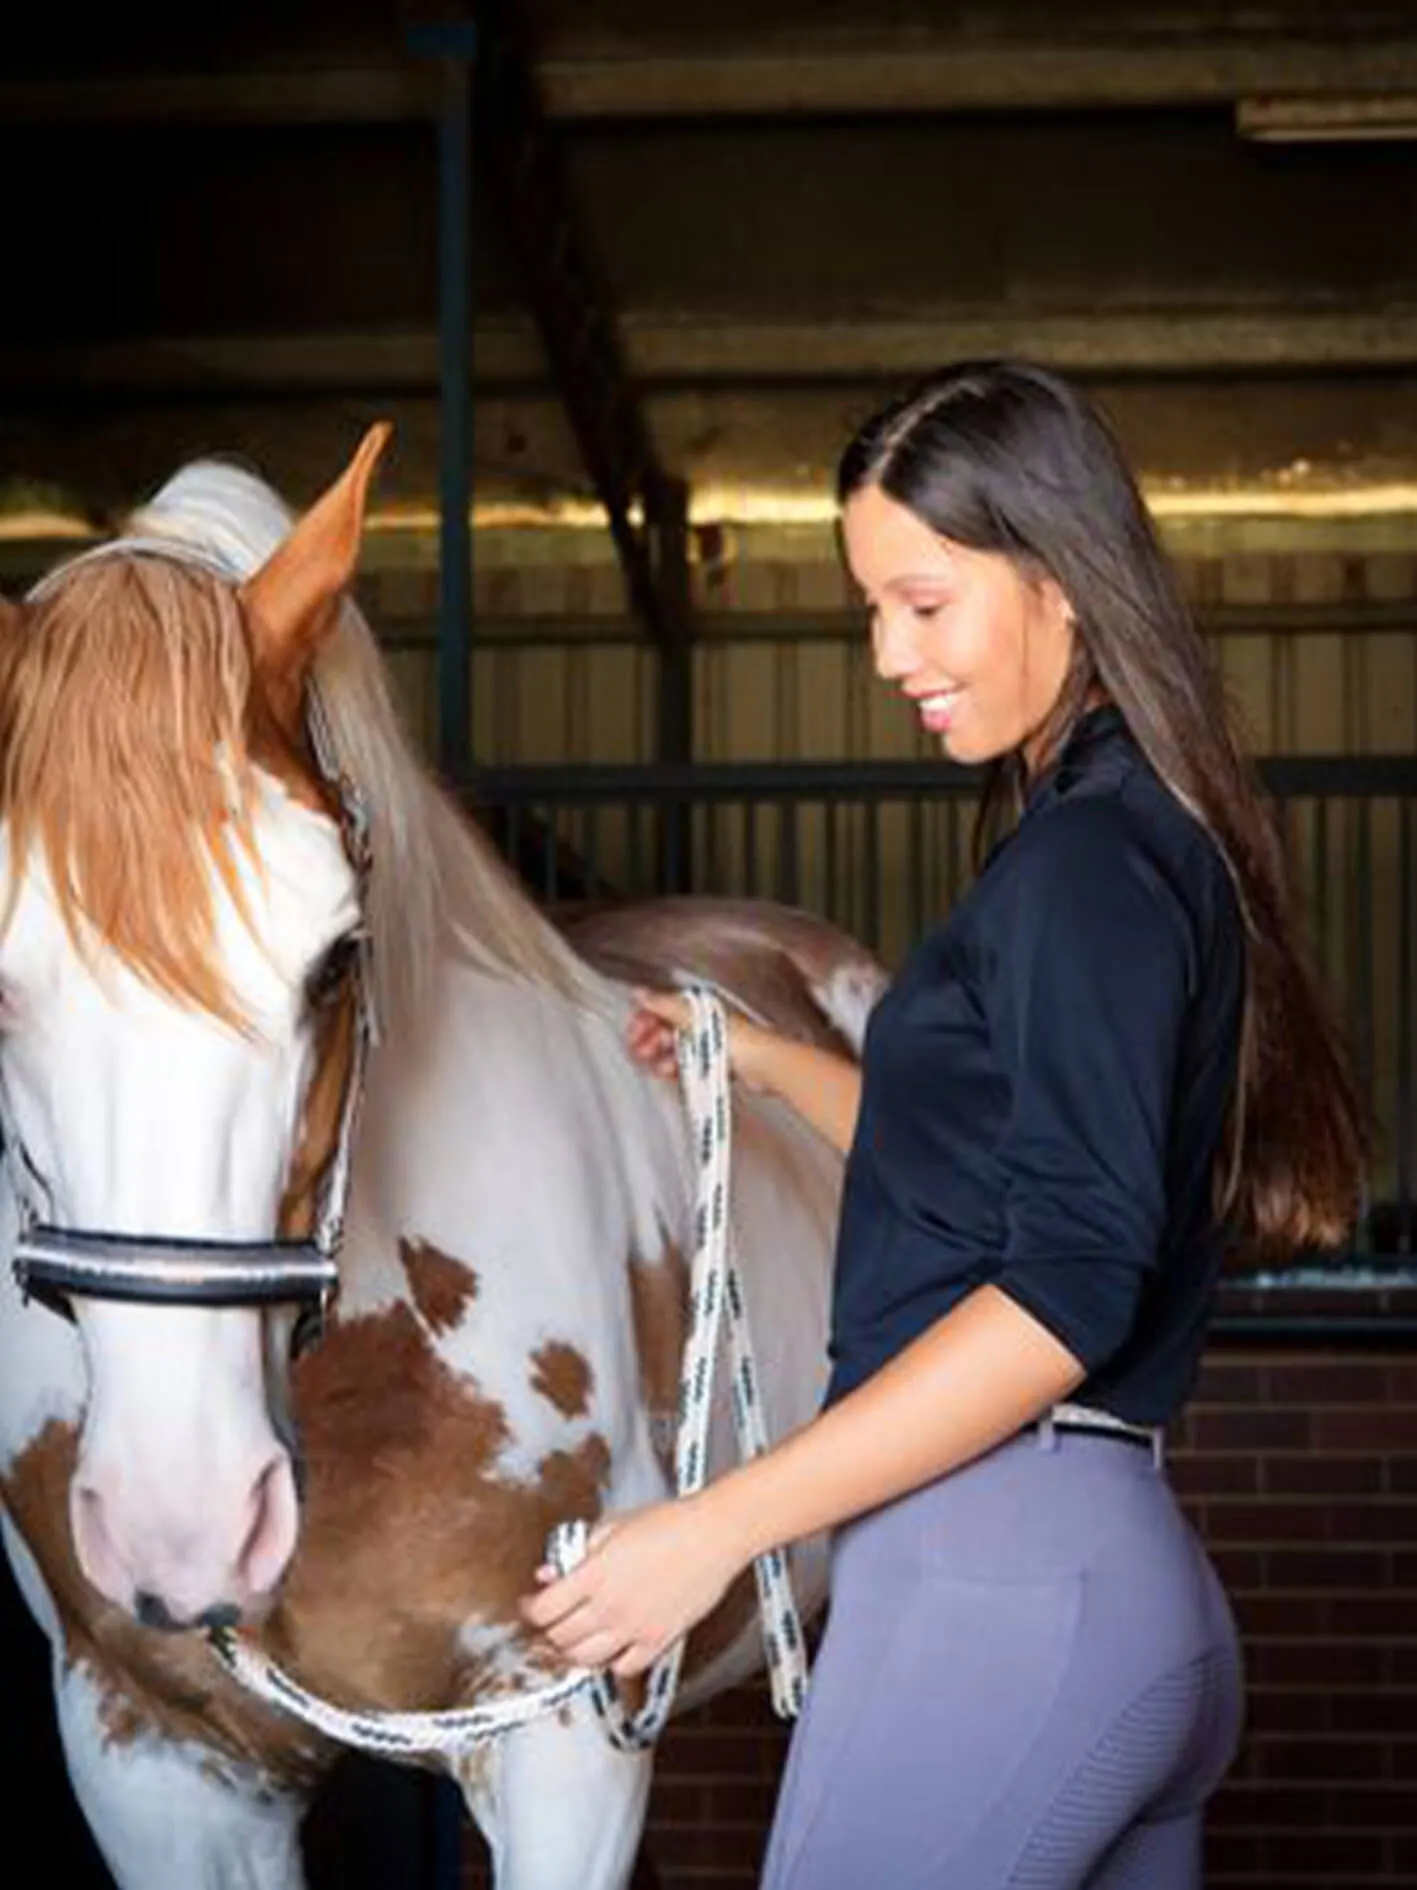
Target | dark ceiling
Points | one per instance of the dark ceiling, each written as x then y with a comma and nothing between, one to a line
225,234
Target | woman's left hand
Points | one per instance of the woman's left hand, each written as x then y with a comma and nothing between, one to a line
648,1576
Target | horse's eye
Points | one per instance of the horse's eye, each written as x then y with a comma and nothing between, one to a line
328,976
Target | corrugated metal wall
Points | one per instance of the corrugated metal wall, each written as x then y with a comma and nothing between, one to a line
1318,651
559,674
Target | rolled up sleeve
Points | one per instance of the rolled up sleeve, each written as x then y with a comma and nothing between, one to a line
1087,994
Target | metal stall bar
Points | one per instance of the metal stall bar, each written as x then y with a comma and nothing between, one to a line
453,45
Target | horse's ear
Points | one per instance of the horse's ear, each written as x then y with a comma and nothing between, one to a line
292,602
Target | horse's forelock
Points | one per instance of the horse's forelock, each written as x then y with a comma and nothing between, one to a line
125,725
437,886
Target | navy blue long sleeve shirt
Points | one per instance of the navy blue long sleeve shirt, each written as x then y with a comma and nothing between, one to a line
1045,1089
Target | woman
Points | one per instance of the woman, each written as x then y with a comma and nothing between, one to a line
1109,1063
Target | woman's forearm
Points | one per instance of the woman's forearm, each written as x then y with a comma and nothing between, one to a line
818,1085
973,1379
822,1087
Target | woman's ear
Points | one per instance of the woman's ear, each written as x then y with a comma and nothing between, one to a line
1055,603
292,603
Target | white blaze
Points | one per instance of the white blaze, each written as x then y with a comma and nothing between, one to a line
145,1117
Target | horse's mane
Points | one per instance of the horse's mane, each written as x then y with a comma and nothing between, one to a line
143,658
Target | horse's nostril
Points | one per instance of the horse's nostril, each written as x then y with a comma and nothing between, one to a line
153,1612
270,1539
225,1614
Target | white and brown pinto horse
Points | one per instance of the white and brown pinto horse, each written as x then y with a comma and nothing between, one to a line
504,1350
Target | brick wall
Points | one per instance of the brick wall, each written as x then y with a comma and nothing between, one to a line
1299,1467
1300,1471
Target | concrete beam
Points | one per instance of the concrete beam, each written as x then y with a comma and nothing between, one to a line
865,80
367,95
836,75
1094,342
662,352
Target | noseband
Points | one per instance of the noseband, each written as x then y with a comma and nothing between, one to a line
58,1265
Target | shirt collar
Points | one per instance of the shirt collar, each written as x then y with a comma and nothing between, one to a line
1099,746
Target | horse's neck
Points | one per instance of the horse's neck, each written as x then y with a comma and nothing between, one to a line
514,1086
513,1169
647,1137
639,1134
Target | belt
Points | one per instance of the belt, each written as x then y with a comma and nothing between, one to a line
1091,1422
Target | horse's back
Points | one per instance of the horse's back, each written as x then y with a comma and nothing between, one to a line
789,968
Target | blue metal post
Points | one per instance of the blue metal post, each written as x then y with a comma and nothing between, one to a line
453,46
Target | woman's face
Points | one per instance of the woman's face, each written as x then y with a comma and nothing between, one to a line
981,649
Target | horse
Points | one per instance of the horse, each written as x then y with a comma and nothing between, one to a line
190,930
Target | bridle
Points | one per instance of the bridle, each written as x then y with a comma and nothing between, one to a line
56,1266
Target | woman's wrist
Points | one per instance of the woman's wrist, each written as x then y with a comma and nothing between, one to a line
727,1509
754,1050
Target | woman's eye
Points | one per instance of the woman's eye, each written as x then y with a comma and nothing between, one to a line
926,611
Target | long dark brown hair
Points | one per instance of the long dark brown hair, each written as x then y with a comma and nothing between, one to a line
1005,457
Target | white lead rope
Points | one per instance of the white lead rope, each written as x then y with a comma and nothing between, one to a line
714,1287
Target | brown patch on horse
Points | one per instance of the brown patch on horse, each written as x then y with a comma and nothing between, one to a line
443,1288
659,1307
168,1685
563,1376
318,1140
410,1531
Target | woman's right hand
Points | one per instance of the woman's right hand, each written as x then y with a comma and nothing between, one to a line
660,1015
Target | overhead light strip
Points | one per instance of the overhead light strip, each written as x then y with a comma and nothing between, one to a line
1315,120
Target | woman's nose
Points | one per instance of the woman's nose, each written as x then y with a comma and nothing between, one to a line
892,649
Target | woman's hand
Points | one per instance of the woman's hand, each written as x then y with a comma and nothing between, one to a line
660,1015
648,1576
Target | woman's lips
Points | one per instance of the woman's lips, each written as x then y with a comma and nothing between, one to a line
937,711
